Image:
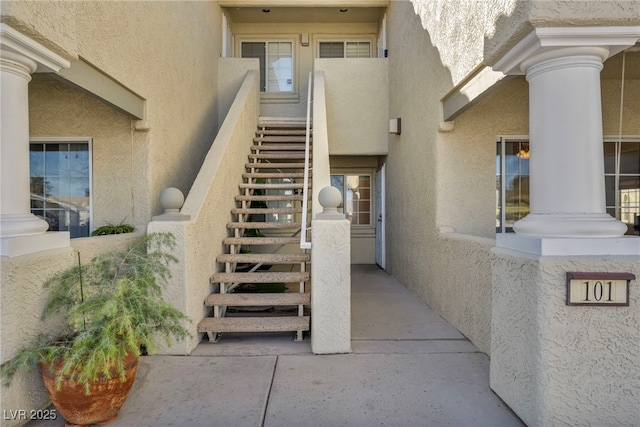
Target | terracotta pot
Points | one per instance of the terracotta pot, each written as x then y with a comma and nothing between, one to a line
101,406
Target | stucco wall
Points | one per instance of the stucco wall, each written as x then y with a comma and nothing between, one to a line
303,55
357,92
118,154
21,305
208,205
170,60
555,364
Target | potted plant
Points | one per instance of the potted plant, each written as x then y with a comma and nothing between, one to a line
111,308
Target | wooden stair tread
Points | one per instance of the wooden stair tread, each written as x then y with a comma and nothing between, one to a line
260,277
257,299
261,240
254,324
264,225
265,258
279,147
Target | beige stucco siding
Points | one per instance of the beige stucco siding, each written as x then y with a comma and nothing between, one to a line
303,55
170,60
118,154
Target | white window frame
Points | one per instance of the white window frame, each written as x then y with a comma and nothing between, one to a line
344,39
275,97
607,139
74,139
365,229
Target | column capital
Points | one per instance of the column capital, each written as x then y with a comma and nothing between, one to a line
555,42
18,47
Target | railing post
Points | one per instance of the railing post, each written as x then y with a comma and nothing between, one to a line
331,277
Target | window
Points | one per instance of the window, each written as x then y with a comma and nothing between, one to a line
622,188
356,197
276,63
60,173
345,49
512,181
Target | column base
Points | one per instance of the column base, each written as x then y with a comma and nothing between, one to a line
570,225
563,246
23,245
12,225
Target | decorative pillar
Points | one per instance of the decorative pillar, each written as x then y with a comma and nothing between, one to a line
331,277
20,56
567,161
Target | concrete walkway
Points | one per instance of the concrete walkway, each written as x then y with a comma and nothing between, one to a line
408,368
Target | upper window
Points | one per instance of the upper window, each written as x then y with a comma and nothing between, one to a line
276,63
61,184
356,197
345,49
621,175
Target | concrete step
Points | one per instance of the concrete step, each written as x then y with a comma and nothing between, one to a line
278,198
278,156
257,299
291,165
282,139
261,240
282,123
264,225
264,258
286,186
296,131
260,277
266,211
254,324
279,147
274,175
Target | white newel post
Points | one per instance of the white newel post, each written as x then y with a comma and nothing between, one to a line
330,277
21,232
567,161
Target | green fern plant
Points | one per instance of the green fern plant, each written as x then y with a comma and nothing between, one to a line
111,228
111,307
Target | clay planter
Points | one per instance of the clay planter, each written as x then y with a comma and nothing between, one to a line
101,406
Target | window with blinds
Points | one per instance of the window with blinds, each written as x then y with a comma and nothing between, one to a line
345,49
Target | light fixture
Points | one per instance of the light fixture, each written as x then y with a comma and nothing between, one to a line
524,152
395,126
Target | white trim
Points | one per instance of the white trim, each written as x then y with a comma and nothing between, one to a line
89,79
541,40
74,139
13,40
470,91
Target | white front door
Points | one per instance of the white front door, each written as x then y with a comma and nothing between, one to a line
380,217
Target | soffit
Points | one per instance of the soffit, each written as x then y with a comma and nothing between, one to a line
325,15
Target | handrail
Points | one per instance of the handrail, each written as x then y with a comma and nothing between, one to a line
305,190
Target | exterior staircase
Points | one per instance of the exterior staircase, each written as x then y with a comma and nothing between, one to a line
267,222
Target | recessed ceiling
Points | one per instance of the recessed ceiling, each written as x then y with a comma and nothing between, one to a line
281,15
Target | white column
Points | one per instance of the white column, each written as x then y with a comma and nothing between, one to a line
15,216
567,164
20,56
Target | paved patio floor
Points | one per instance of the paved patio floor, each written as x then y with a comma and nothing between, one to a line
408,368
